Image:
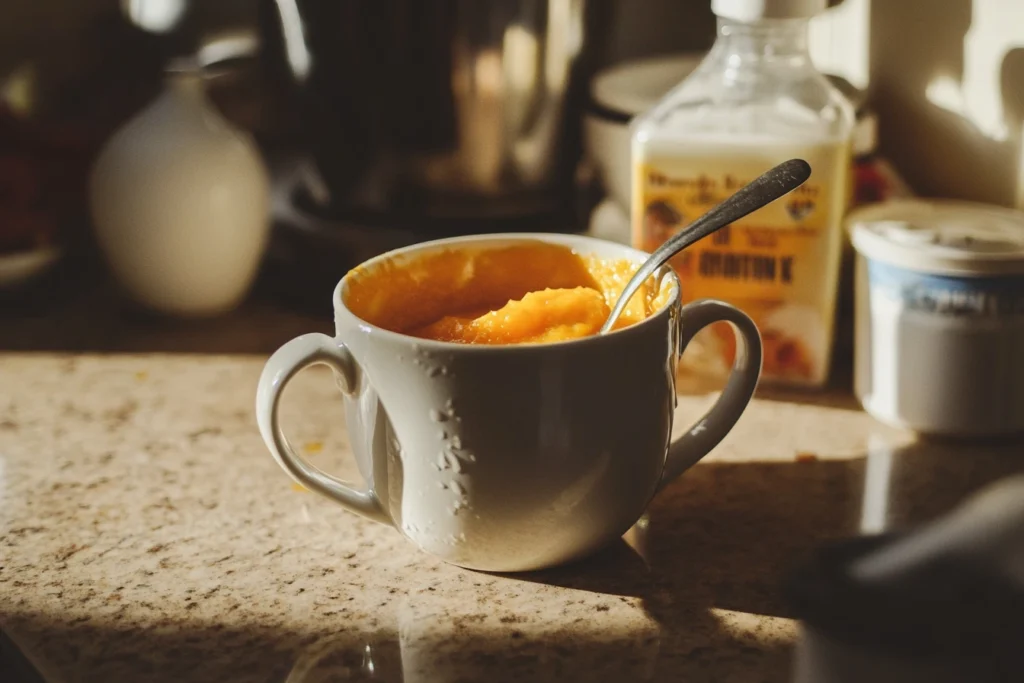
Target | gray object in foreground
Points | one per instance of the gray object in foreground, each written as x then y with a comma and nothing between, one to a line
943,603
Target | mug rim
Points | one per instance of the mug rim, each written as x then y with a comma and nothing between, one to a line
638,256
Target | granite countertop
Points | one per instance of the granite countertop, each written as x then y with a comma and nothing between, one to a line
146,535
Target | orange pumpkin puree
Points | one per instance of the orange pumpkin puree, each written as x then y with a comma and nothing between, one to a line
530,292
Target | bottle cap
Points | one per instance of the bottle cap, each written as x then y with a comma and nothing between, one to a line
755,10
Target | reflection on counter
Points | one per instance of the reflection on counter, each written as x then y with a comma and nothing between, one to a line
442,639
223,572
701,572
650,626
908,483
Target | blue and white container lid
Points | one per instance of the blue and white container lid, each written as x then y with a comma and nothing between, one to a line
941,237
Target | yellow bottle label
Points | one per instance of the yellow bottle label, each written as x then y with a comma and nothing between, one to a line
779,264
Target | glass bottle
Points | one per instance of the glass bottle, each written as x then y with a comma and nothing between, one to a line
756,100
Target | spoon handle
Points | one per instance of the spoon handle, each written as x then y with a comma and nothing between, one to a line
763,190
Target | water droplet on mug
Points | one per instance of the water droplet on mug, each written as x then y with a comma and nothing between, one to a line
452,539
443,435
434,371
437,416
452,461
458,489
441,485
456,441
442,462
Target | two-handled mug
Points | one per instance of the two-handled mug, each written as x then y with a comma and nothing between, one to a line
513,457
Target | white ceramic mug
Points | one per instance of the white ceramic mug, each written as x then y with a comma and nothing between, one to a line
516,457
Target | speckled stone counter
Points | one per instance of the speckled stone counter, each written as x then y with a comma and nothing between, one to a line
146,535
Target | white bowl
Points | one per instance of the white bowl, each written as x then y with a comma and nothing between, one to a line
617,95
608,148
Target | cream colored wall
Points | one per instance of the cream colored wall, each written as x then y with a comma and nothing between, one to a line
840,40
948,79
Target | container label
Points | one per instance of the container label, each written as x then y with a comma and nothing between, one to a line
779,264
962,297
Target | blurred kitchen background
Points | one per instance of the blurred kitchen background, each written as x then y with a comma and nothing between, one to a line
316,133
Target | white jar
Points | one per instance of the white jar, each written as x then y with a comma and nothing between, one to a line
617,94
180,201
940,316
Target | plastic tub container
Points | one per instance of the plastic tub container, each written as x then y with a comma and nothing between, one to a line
939,316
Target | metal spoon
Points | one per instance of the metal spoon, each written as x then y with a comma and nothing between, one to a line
763,190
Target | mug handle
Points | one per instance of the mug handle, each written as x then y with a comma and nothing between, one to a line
284,364
684,452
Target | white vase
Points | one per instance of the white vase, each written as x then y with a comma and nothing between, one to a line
180,201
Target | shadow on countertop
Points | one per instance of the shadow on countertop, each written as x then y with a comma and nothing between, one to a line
284,656
703,549
14,667
721,538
